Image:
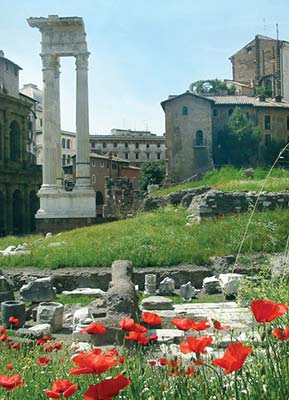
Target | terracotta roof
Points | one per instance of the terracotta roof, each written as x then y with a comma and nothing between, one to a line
187,93
246,100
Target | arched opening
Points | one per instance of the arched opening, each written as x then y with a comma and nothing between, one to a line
17,213
199,138
185,110
1,143
33,207
2,214
15,141
99,203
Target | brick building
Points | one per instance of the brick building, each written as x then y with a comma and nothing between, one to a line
20,178
263,62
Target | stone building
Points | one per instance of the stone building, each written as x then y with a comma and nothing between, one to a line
188,124
20,178
134,146
263,62
193,124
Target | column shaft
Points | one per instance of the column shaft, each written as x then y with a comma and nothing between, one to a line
82,123
51,121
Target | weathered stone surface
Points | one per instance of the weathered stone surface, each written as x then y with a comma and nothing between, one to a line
168,335
38,290
118,302
187,291
35,332
6,289
51,313
211,285
150,284
230,283
84,291
167,287
157,303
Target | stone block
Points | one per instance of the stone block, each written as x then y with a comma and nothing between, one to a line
35,332
38,290
157,303
167,287
51,313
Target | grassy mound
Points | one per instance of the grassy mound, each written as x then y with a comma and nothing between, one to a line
231,179
159,238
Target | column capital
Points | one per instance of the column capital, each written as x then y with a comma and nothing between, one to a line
81,60
50,62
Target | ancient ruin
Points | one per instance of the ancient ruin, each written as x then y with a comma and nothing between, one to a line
64,37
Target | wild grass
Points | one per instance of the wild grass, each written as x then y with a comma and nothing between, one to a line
232,179
155,239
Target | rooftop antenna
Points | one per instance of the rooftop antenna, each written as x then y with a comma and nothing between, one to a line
277,31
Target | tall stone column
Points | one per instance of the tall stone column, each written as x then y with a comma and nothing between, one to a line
82,123
51,122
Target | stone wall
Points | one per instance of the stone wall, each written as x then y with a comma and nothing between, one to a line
216,203
121,199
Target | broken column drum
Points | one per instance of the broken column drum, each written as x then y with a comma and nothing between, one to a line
13,308
150,283
51,313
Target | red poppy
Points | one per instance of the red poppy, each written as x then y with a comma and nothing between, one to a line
162,361
234,357
281,334
127,324
218,326
43,360
16,346
10,366
139,337
140,328
152,363
44,339
11,382
200,326
3,337
190,371
195,345
95,329
2,330
14,321
267,310
151,318
61,387
153,338
107,389
183,324
91,363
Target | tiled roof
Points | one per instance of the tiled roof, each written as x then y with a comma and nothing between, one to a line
246,100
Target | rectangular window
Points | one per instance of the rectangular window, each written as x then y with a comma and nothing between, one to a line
148,156
104,145
126,145
136,145
215,112
267,121
114,165
101,163
136,156
93,178
158,145
126,156
158,156
93,163
148,146
92,144
114,144
268,139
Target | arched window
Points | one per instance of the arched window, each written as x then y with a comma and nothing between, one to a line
15,141
98,199
1,143
18,212
63,143
68,143
185,110
199,138
63,159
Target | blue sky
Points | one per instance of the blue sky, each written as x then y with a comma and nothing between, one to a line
141,50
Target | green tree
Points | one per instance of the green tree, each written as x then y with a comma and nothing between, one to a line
152,172
238,144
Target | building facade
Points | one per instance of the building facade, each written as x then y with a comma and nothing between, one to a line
20,178
194,123
188,125
133,146
263,62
